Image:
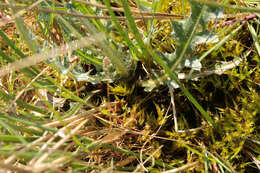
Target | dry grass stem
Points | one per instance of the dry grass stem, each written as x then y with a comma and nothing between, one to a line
58,144
20,13
12,158
141,165
183,168
61,50
133,10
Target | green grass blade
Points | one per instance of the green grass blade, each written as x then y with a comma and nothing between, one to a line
134,29
162,63
12,131
86,9
121,31
114,55
229,169
96,62
25,33
10,138
28,123
174,77
21,103
255,37
11,44
24,129
30,72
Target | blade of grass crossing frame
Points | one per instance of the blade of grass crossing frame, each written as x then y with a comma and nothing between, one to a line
255,38
27,71
134,29
92,60
60,119
65,92
12,131
217,160
28,123
86,9
194,151
25,33
174,77
11,44
23,104
25,130
121,31
219,44
10,138
30,72
67,24
51,19
115,56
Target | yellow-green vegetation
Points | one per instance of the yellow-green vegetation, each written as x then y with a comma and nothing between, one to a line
129,86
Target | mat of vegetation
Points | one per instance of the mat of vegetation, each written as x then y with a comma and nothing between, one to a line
129,86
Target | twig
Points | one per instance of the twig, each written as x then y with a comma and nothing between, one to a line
11,159
146,160
220,69
108,17
32,60
230,22
254,159
20,13
12,168
174,111
58,144
13,105
143,16
133,10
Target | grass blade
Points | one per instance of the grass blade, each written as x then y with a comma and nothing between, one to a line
174,77
134,29
255,37
121,31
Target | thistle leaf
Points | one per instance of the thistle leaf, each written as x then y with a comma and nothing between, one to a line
193,31
189,33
